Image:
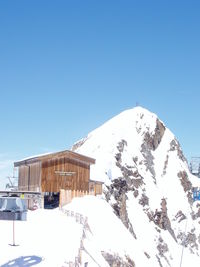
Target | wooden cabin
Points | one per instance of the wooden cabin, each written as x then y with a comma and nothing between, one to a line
51,173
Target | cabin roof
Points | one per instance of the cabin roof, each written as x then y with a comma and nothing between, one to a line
56,155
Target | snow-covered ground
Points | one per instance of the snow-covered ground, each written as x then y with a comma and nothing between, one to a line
51,238
47,238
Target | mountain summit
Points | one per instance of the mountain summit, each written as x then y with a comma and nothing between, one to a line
148,185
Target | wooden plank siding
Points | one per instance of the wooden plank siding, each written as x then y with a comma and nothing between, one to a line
30,177
95,187
53,182
23,178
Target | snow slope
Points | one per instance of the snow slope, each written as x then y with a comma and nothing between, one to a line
148,184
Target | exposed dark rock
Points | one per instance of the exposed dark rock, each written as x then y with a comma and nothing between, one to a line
129,167
186,184
144,200
147,255
180,216
121,145
116,261
127,182
123,212
137,182
158,230
130,261
159,261
116,208
188,240
118,190
120,210
135,193
161,219
151,215
141,116
120,148
159,132
120,184
174,145
126,172
153,141
108,192
165,165
135,160
118,157
148,162
196,215
162,247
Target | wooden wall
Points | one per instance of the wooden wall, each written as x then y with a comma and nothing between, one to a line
95,187
30,177
52,182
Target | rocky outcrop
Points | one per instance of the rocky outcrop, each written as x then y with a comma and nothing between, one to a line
131,180
144,200
186,184
165,165
175,146
189,239
150,143
153,141
116,261
148,157
118,190
162,250
161,219
180,216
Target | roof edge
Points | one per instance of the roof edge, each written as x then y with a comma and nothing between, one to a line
65,153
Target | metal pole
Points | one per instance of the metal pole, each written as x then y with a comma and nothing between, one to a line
13,243
13,233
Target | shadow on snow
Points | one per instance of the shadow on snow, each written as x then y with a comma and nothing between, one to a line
25,261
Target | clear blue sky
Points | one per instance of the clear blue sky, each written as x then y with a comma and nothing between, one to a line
68,66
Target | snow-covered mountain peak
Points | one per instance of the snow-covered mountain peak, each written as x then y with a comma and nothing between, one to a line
133,134
126,121
147,182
